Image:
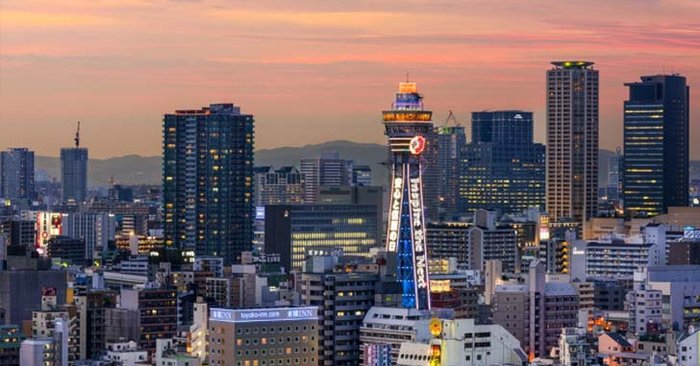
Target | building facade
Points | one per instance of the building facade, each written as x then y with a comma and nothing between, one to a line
461,342
572,141
537,312
274,336
657,122
326,170
449,240
11,338
157,313
299,231
208,181
502,168
281,186
74,169
97,230
343,299
443,172
17,173
383,331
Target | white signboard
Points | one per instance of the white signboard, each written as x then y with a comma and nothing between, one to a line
418,229
275,314
394,214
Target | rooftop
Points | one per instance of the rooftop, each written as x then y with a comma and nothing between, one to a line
573,64
559,289
622,341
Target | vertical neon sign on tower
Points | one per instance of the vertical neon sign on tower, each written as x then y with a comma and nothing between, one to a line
407,124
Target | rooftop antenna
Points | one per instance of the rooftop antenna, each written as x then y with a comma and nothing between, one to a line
77,136
407,79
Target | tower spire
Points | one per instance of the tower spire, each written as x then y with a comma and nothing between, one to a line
77,136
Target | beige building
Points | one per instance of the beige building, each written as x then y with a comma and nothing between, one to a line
572,141
536,312
264,337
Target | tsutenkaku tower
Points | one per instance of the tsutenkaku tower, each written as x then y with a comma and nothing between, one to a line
407,125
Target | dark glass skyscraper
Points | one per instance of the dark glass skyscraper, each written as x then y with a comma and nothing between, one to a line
448,142
502,168
17,173
656,145
74,162
406,125
208,181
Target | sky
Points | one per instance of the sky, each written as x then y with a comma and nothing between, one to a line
314,71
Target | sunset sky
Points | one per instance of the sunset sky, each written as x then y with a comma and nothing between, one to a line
313,71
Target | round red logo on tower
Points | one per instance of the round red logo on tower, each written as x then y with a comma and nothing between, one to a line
417,145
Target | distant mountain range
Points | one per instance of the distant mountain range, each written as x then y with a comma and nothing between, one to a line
136,169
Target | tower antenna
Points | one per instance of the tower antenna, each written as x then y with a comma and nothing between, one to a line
77,136
407,79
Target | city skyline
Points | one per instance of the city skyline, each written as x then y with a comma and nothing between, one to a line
313,67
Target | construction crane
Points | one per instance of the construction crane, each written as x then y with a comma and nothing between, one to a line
451,118
77,136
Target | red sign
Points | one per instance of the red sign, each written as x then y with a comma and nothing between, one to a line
417,145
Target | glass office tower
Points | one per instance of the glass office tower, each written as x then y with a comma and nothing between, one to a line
656,154
503,169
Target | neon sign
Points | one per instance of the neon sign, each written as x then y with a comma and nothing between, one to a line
544,227
416,205
417,145
394,214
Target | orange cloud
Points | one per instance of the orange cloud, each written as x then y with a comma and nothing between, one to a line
34,19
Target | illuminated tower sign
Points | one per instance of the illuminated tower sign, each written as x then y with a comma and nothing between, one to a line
407,124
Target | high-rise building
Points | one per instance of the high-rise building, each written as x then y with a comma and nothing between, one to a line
502,168
326,170
343,298
406,124
17,173
74,173
657,139
450,141
572,141
208,181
